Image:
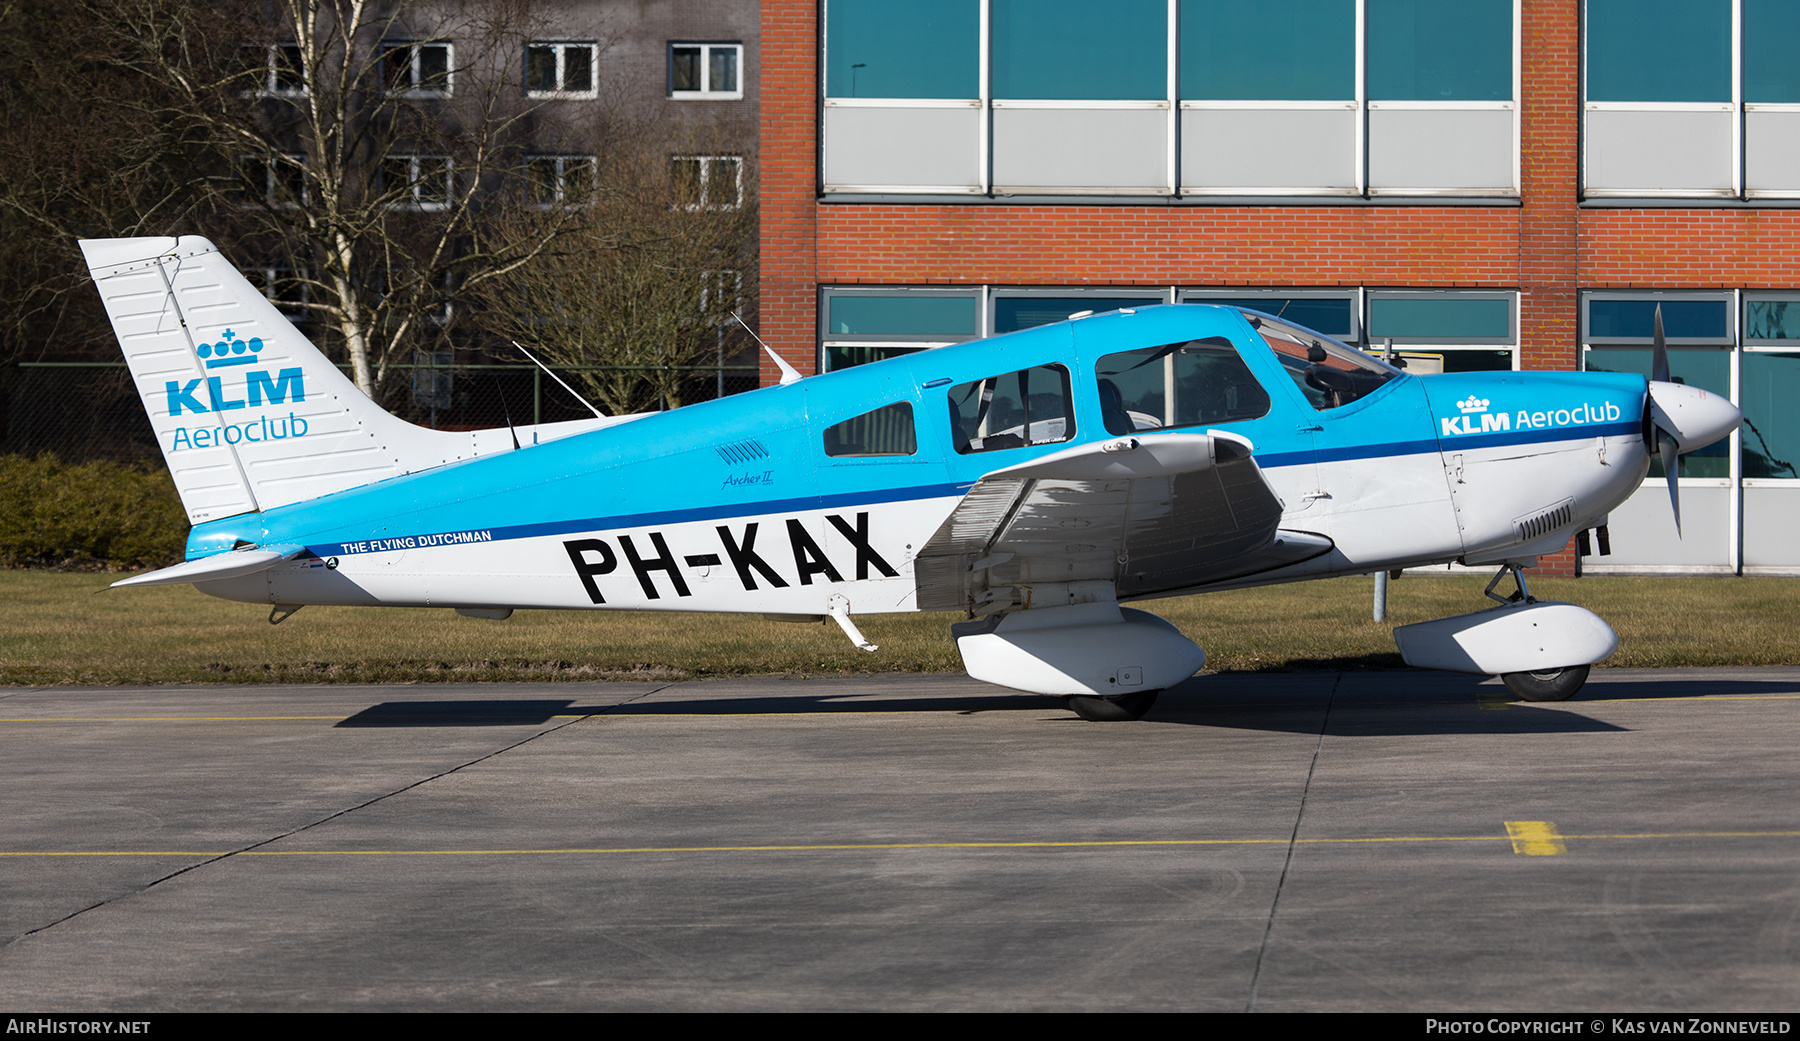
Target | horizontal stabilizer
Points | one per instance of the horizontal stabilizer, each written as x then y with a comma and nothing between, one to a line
219,565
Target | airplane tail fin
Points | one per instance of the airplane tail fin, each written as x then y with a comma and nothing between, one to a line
248,413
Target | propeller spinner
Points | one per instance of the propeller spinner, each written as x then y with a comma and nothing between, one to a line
1685,418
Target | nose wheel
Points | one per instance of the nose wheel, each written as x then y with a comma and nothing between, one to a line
1548,685
1118,708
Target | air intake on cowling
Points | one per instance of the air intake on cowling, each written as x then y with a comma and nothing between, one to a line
1543,522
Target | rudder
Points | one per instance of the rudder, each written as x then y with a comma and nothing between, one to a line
248,413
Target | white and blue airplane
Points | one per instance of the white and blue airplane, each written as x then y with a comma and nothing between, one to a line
1036,482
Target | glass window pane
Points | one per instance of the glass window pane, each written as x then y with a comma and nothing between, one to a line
1065,49
1772,320
1277,50
1448,318
540,68
1427,50
1012,313
1209,380
578,68
434,65
1659,50
1478,361
722,76
885,431
684,68
1636,319
290,69
920,49
942,316
1028,407
1771,432
1771,40
685,181
397,67
1708,369
844,355
1329,316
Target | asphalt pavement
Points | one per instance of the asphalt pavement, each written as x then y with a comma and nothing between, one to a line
1277,842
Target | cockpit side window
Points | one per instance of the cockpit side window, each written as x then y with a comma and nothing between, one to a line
1329,373
886,431
1029,407
1178,385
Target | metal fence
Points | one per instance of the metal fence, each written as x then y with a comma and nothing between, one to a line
82,411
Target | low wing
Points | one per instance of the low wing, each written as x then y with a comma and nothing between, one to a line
1130,517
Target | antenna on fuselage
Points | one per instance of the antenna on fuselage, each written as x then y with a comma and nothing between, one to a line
559,382
789,374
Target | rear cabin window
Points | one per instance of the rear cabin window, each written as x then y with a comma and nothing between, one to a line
1178,385
1029,407
886,431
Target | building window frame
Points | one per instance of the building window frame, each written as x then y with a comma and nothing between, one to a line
280,181
984,120
1139,296
415,77
704,57
834,344
421,172
1242,295
279,67
561,49
1737,110
708,180
548,177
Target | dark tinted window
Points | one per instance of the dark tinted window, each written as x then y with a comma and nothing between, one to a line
1028,407
1177,385
886,431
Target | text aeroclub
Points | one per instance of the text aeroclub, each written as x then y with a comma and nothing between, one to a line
593,558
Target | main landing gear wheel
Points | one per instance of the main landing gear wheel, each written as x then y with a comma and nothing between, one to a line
1549,685
1117,708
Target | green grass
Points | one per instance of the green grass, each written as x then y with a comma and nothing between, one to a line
69,628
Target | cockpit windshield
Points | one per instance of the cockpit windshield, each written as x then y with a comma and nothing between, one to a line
1329,373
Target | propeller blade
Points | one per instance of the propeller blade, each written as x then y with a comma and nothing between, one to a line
1659,364
1671,460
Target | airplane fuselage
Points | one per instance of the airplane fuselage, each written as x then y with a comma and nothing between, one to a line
745,503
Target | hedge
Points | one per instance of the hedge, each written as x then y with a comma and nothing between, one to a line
88,515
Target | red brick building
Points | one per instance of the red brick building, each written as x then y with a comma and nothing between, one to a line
1465,179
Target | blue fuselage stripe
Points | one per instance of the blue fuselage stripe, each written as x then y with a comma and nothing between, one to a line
937,491
698,513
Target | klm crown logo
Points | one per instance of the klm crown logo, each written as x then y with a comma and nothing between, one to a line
231,351
1471,407
259,387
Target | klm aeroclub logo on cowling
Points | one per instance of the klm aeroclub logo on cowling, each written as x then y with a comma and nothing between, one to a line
258,390
1476,419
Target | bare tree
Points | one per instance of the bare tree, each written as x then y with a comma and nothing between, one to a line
655,251
355,143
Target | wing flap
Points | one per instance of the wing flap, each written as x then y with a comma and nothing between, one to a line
1146,514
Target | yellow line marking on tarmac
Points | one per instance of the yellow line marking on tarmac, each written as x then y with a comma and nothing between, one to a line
1529,833
1535,838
